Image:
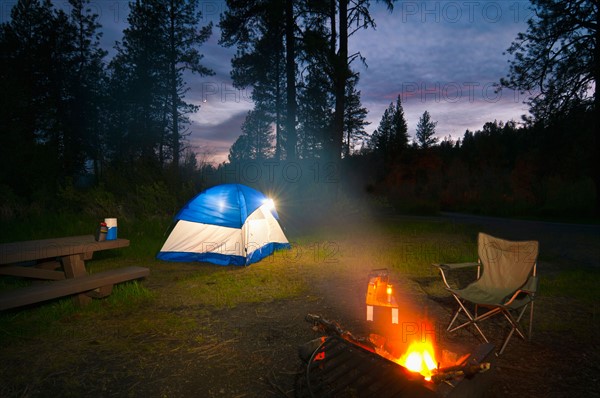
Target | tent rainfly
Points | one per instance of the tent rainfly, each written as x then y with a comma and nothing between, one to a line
226,224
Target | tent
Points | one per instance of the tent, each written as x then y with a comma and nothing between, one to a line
226,224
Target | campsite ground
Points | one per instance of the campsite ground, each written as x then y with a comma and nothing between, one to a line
204,331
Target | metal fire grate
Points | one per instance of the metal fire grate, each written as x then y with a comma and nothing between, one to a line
339,368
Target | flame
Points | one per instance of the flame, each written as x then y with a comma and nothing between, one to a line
420,358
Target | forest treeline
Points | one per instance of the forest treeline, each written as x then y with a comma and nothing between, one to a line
68,112
84,132
502,169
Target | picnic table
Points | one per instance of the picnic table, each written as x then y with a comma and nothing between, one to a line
62,262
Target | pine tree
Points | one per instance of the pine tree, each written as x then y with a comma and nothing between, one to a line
354,119
88,82
52,81
314,113
183,37
557,60
347,17
255,143
26,106
426,131
266,60
160,44
390,139
138,88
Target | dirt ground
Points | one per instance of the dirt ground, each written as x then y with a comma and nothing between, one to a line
252,350
256,354
259,352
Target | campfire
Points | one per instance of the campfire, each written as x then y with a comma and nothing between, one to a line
420,358
406,363
340,364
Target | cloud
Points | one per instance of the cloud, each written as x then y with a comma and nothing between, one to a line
441,56
216,138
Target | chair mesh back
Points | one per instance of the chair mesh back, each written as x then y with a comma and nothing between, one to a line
506,264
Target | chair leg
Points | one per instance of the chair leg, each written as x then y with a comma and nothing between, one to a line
472,320
515,326
458,310
530,320
512,330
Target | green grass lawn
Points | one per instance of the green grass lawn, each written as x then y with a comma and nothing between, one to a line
407,248
160,314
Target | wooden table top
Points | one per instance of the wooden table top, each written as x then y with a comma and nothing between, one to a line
58,247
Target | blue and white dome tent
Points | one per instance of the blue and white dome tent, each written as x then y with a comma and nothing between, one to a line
226,224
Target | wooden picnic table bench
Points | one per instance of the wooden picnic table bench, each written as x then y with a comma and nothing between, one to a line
62,261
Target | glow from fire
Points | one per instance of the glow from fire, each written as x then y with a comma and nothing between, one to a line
420,358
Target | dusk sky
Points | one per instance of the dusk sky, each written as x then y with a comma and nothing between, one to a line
439,56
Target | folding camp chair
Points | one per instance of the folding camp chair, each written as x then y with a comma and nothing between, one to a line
506,284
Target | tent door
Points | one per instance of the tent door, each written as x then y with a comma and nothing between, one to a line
257,234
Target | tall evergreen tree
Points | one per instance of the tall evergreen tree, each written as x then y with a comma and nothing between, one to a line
558,59
52,75
183,36
160,44
88,80
426,131
391,137
290,78
315,95
314,113
346,18
264,60
256,141
26,45
139,76
354,118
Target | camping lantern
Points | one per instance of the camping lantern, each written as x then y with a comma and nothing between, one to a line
270,203
380,294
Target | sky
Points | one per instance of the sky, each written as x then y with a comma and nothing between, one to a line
438,56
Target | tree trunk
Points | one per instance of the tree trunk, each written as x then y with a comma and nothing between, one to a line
290,69
596,154
596,116
278,106
173,90
340,78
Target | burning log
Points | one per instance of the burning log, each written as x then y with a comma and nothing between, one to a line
331,328
457,372
341,363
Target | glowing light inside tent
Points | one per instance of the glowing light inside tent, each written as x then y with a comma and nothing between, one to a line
270,204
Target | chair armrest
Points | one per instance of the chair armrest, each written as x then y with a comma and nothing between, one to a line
529,288
531,285
449,267
454,266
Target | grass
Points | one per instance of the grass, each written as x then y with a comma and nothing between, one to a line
142,322
50,319
230,287
407,247
577,284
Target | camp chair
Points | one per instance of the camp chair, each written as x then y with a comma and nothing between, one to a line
506,284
